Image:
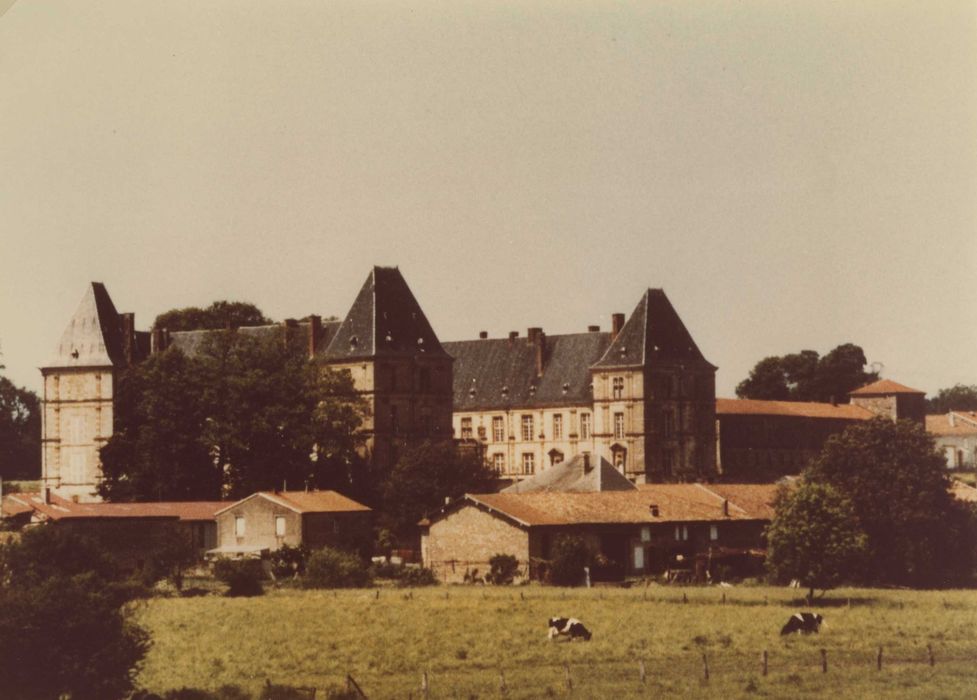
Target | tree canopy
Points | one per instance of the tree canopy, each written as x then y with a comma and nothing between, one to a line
959,397
245,413
425,474
806,376
814,538
917,533
220,314
20,432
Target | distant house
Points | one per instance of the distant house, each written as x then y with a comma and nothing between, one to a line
955,434
654,529
267,520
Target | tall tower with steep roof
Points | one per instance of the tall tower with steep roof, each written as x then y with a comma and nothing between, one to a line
79,385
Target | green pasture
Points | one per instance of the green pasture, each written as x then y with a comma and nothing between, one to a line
464,638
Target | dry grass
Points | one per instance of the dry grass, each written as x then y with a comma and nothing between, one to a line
314,638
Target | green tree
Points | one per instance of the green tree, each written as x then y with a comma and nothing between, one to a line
897,484
959,397
220,314
569,557
814,538
20,432
806,376
245,413
427,473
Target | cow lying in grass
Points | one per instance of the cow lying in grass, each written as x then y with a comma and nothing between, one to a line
569,627
806,623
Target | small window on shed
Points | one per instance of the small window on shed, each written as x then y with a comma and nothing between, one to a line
239,526
713,532
279,526
646,534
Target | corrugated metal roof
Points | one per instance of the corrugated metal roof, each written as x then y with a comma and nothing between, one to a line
799,409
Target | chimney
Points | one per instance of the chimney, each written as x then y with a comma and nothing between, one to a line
725,507
46,495
483,335
537,339
158,339
288,327
617,323
586,462
654,510
512,336
127,323
593,329
315,330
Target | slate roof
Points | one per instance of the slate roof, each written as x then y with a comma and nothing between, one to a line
884,387
575,475
501,373
93,337
796,409
964,423
191,343
306,502
384,321
675,502
653,334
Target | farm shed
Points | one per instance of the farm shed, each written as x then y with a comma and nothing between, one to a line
657,528
266,520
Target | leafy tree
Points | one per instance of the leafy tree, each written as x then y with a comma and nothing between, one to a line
814,538
806,376
959,397
20,432
898,487
220,314
245,413
424,475
334,568
570,555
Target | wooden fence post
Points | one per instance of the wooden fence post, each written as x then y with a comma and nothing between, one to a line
824,661
352,685
424,685
764,662
705,667
378,594
502,686
641,671
929,650
724,598
566,675
878,659
685,598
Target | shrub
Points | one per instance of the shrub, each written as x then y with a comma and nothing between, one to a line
570,555
414,576
288,562
503,569
242,576
332,568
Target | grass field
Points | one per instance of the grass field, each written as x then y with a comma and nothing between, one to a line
463,637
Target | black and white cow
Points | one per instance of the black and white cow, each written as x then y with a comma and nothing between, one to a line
568,627
803,622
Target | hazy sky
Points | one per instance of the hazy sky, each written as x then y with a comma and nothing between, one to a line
793,174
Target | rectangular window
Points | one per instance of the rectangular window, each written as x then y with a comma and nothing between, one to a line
713,532
527,427
498,462
617,390
466,428
639,557
279,526
646,534
481,432
77,469
619,425
584,426
620,459
557,426
239,526
528,463
498,429
681,532
75,430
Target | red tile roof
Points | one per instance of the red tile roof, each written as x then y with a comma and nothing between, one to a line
797,409
307,501
188,511
884,386
964,423
675,503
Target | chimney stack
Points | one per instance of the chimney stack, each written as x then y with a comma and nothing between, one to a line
483,335
593,329
586,462
158,340
288,326
315,330
512,336
537,339
127,324
617,323
725,507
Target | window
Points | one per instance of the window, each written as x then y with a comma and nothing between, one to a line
498,462
239,526
620,459
528,463
481,432
77,468
556,457
498,429
584,426
557,426
646,534
466,428
617,390
619,425
639,557
279,525
681,532
713,532
75,430
527,427
668,423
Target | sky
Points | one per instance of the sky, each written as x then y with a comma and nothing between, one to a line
794,175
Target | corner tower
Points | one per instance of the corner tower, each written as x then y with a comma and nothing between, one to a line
655,397
79,386
397,364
